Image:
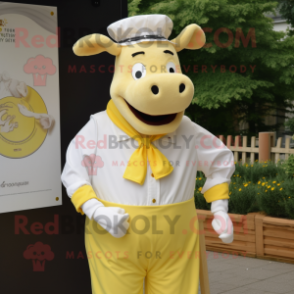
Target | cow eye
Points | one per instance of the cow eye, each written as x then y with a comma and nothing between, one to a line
171,67
138,71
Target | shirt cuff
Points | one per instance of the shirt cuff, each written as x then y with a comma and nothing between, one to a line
217,192
82,195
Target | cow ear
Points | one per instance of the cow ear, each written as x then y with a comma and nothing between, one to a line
192,37
96,44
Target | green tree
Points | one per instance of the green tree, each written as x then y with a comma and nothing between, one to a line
286,9
239,36
290,123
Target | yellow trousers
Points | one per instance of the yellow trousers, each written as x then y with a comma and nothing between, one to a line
161,245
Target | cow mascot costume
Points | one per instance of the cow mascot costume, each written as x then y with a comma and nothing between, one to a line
131,169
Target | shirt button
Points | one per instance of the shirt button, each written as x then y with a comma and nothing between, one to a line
152,175
153,200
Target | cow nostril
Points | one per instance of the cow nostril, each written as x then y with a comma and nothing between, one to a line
182,88
155,90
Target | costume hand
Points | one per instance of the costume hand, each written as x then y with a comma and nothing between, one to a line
112,219
222,223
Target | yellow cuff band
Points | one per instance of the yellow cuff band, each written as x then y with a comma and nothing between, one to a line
217,192
82,195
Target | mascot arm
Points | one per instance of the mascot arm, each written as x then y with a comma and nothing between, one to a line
77,172
76,178
222,223
216,161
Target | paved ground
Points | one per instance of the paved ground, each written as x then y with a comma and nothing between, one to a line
235,274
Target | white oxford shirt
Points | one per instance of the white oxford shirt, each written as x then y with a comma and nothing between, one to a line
100,152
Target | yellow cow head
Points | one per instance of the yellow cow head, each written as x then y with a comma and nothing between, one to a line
148,87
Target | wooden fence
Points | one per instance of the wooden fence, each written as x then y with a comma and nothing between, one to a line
265,150
255,235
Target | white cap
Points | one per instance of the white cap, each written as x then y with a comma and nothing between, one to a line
140,28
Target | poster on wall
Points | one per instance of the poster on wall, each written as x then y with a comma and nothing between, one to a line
30,165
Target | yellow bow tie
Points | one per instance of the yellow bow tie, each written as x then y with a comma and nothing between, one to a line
137,166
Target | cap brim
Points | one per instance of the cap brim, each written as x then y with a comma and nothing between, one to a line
144,40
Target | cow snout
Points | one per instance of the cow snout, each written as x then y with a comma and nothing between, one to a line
160,94
155,89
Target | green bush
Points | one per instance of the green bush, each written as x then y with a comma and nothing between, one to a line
290,123
271,197
289,166
242,198
290,207
200,201
266,187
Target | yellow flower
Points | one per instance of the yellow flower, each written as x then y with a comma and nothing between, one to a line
246,165
249,182
265,190
235,162
240,189
273,189
262,184
268,187
256,160
245,185
257,193
200,179
278,184
281,189
251,165
234,175
258,183
263,177
274,182
200,189
289,197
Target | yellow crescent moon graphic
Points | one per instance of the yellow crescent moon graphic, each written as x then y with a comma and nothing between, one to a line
29,135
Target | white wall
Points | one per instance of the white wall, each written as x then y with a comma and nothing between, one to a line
280,26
